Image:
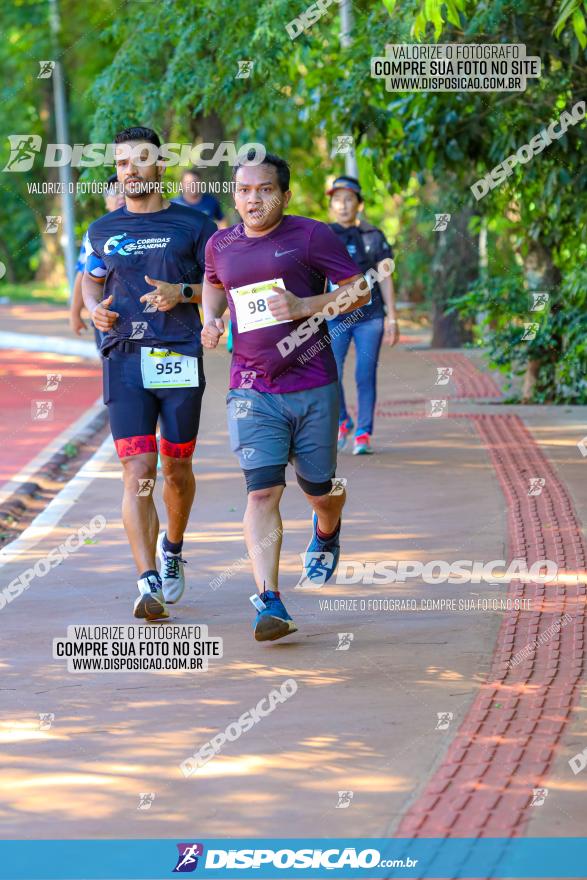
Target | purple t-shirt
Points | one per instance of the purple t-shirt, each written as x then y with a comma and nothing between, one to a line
303,253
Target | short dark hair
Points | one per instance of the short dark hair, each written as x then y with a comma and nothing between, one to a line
280,165
137,133
193,170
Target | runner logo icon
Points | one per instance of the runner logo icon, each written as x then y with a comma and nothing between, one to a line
318,564
247,378
23,149
187,860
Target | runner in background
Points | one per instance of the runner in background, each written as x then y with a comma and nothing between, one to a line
368,247
113,199
193,196
283,398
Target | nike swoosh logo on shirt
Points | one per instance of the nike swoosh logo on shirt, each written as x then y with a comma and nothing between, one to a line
283,253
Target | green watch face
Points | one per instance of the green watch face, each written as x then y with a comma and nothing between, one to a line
187,291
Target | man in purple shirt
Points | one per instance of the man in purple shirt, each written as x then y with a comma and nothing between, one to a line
283,403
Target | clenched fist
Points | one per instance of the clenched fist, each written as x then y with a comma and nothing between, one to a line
212,332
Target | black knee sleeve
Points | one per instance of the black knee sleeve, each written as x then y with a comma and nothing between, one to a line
264,477
314,488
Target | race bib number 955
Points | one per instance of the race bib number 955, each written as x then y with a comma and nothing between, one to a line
161,368
250,304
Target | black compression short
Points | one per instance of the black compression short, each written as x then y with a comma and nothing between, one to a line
134,411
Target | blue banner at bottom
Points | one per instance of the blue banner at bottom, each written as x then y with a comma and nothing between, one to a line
368,858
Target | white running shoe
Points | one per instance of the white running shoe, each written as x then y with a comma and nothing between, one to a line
172,573
151,604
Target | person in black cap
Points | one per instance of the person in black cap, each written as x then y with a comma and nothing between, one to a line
370,325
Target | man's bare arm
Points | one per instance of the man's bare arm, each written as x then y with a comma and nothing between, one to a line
214,304
76,321
93,292
388,294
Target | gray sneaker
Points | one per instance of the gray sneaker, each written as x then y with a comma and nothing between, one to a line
172,573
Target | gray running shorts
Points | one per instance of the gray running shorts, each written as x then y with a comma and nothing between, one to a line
272,429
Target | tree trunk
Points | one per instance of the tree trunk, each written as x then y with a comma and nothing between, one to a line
530,379
455,267
51,267
541,275
540,271
210,129
448,331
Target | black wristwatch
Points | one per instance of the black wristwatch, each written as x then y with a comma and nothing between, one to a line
186,291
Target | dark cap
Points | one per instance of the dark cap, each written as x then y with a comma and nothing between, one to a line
346,182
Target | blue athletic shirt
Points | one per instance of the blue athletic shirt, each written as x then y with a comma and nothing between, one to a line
207,205
83,254
167,245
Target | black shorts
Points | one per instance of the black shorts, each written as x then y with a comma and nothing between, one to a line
134,410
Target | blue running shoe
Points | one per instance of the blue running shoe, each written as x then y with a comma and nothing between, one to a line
321,557
272,621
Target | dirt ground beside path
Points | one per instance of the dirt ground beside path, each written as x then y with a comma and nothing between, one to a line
364,719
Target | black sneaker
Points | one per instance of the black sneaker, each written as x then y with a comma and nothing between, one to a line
150,605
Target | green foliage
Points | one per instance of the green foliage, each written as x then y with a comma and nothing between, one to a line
515,335
571,325
502,307
440,13
173,65
539,204
27,108
572,11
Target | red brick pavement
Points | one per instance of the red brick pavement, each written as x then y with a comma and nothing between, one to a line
506,743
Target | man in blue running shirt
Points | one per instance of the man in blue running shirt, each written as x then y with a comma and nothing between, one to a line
141,285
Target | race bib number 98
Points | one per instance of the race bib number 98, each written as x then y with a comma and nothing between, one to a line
250,304
161,368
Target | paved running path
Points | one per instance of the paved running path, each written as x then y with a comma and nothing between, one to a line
37,317
41,395
364,719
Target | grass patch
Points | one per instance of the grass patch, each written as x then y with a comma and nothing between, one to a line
34,291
